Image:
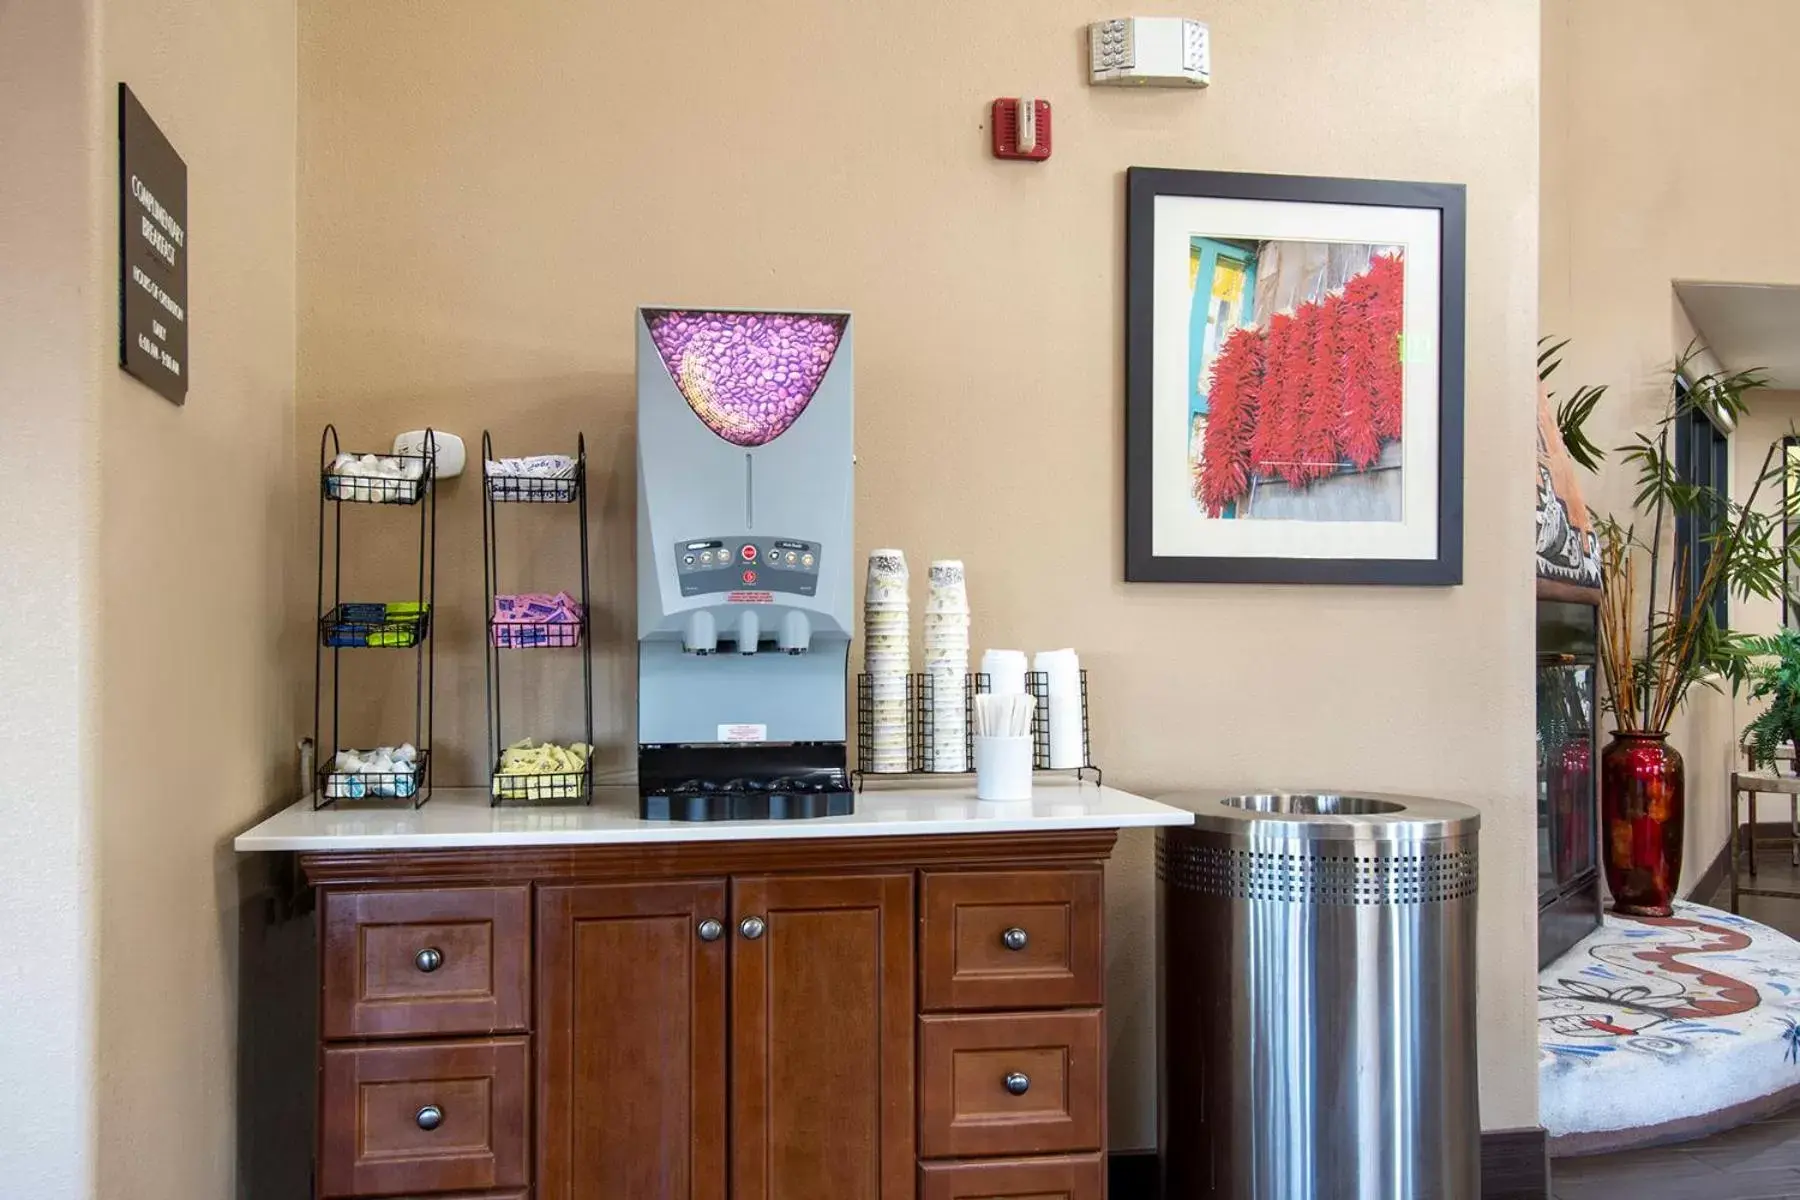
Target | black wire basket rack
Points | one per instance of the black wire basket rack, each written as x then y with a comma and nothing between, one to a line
352,626
505,637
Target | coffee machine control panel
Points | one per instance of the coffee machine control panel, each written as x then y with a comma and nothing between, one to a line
707,566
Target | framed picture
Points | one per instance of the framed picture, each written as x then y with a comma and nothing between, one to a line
1293,379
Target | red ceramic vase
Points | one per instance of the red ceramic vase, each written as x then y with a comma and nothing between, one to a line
1642,801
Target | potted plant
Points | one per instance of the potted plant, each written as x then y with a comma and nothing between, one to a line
1773,672
1658,635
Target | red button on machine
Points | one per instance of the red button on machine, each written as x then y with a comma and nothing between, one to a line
749,576
749,553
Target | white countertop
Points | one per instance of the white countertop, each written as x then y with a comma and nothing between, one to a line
461,818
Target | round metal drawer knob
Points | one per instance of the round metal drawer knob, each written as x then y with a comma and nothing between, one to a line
430,1117
1015,938
1018,1083
711,930
429,959
751,927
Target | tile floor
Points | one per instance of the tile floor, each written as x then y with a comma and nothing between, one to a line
1754,1162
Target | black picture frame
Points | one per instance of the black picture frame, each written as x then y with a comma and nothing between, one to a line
1142,565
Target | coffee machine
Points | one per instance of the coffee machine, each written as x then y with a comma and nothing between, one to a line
744,549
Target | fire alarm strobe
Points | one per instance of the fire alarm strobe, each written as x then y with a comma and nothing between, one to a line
1022,128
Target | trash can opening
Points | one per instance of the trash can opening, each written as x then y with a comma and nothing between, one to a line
1315,806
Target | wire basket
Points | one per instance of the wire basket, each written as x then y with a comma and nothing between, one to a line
335,786
534,635
556,787
533,489
373,626
351,488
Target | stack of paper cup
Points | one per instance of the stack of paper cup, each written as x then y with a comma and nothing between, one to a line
1005,670
1062,679
887,659
947,663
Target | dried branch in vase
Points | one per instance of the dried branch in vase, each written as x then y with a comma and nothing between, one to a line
1652,654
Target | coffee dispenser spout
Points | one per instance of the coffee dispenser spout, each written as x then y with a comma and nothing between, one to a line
701,634
796,632
749,631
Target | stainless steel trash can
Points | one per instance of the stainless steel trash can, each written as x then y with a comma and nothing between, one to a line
1316,998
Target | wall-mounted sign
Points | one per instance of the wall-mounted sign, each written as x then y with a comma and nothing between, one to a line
153,248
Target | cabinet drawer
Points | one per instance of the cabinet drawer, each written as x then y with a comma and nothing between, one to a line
424,1117
1011,939
1074,1177
449,960
972,1101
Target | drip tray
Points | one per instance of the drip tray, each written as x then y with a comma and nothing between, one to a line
744,806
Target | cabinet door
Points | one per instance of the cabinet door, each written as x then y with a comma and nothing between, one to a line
822,1038
631,1041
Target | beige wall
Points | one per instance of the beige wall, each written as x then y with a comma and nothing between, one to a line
486,191
1668,153
197,545
48,510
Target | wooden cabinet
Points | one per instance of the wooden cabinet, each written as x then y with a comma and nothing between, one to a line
715,1020
822,1038
411,963
634,1071
1075,1177
424,1117
631,1041
1010,939
1009,1083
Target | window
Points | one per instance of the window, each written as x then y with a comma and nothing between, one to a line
1703,459
1790,530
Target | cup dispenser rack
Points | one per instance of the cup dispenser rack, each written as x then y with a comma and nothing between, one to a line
921,731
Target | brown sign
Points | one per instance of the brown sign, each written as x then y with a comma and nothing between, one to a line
153,250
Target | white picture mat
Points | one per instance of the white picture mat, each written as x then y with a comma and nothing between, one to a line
1179,528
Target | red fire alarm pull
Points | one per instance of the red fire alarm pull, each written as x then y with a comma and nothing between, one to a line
1022,129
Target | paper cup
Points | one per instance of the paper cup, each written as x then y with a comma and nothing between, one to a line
887,561
888,687
1003,768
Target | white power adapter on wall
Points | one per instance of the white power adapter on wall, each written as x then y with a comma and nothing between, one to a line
451,456
1150,52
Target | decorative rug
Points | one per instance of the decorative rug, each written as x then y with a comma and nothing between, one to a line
1654,1030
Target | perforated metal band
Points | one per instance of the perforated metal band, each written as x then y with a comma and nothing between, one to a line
1428,876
